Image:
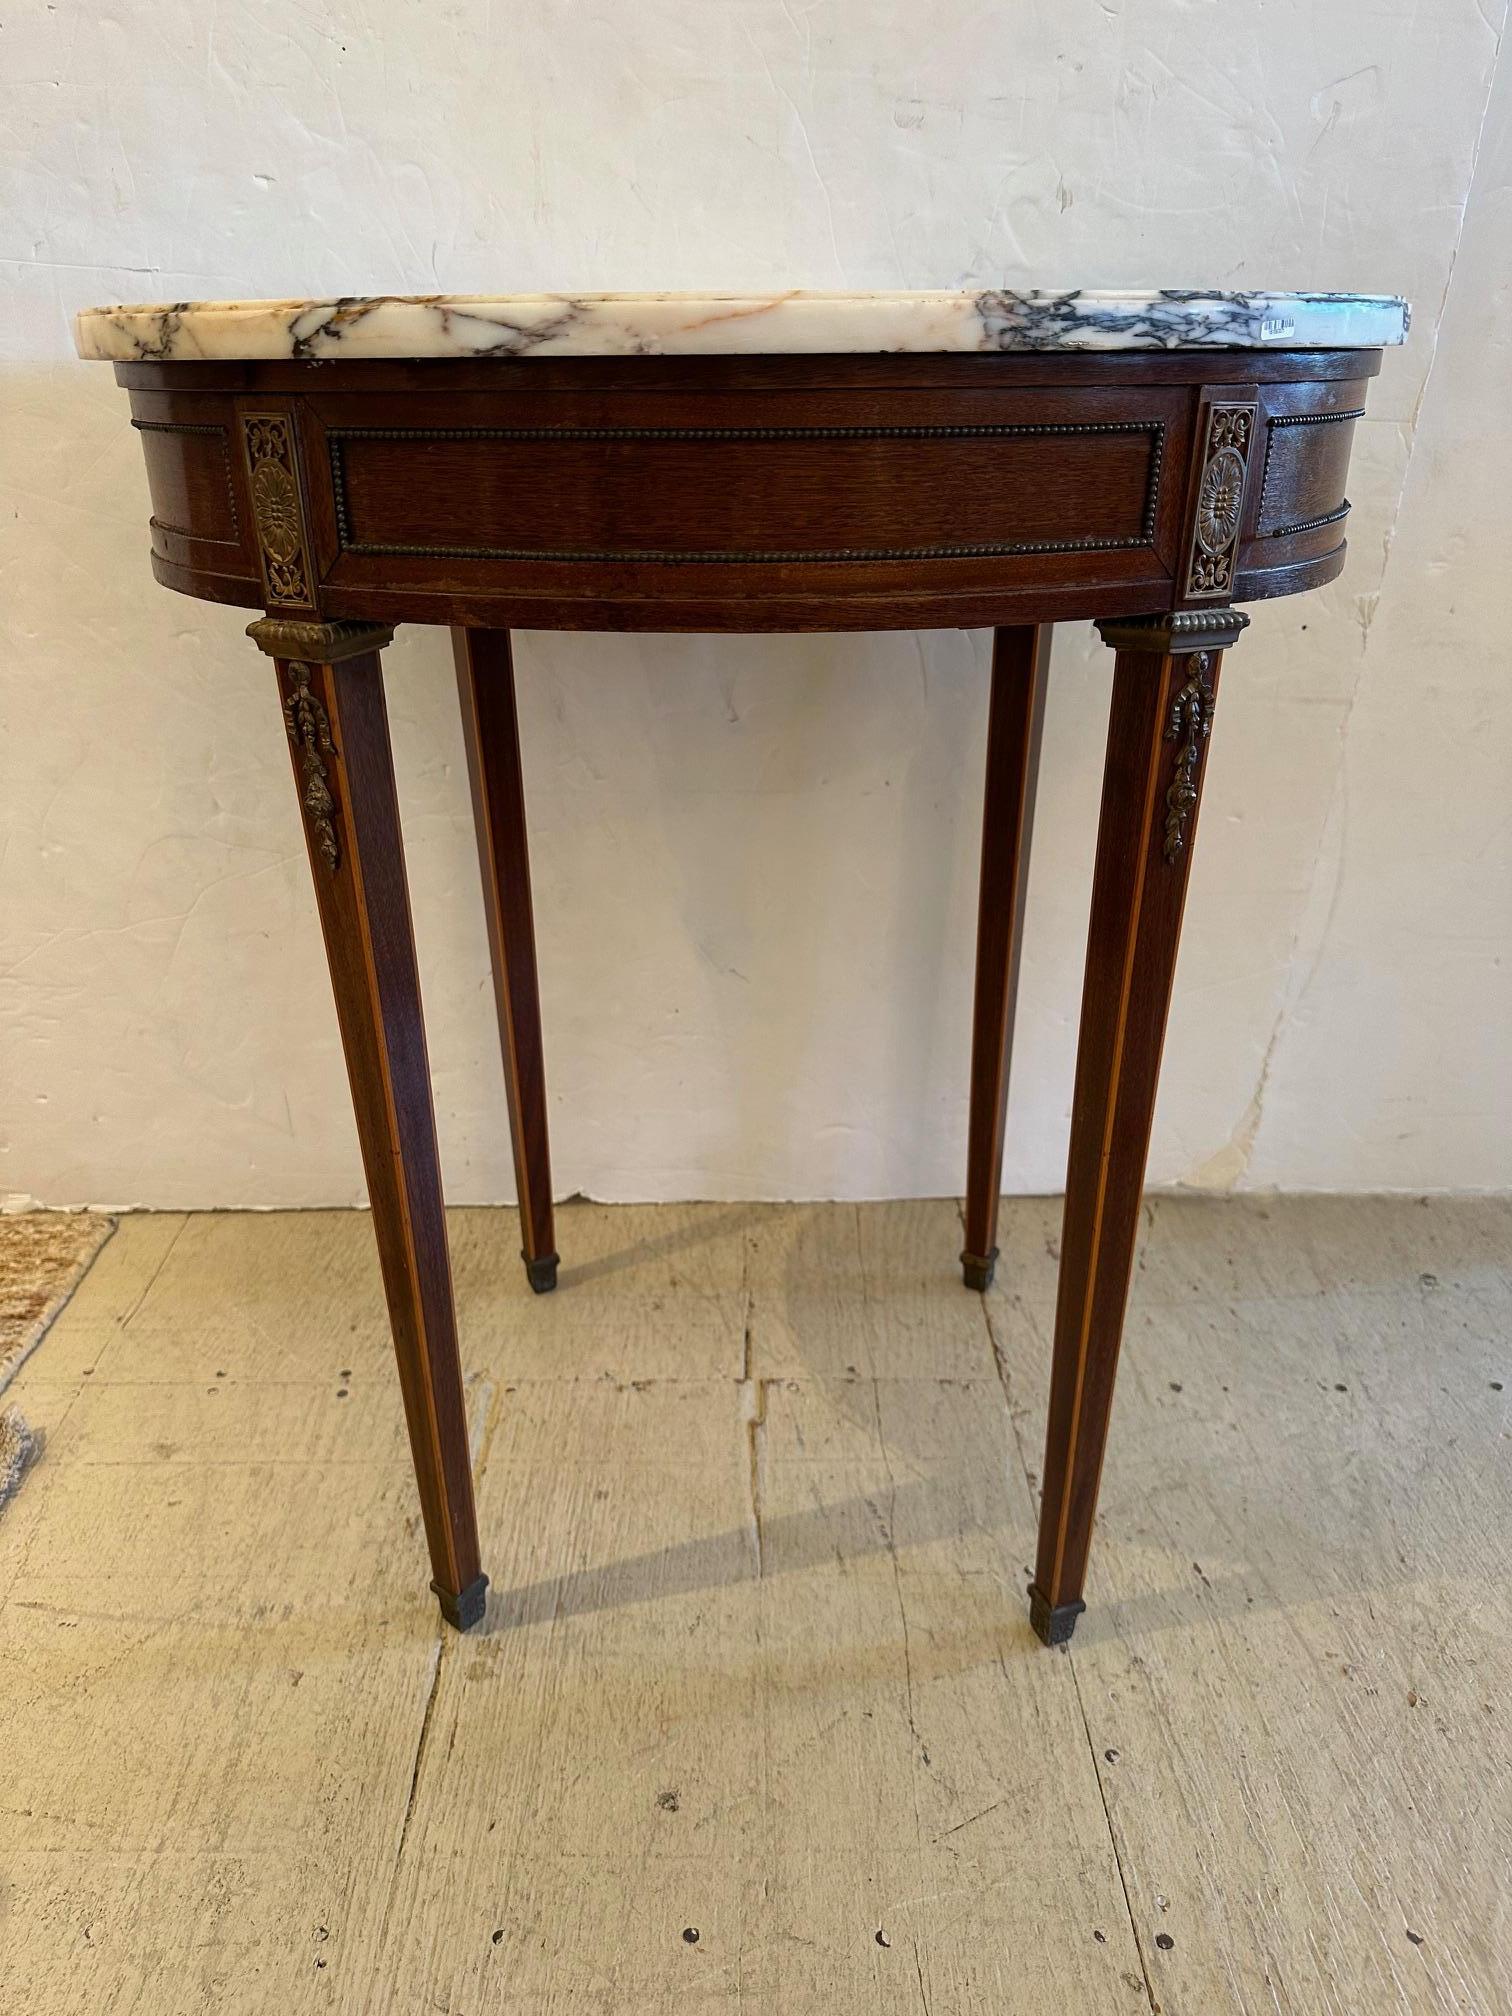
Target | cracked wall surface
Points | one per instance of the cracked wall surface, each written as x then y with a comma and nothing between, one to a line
754,858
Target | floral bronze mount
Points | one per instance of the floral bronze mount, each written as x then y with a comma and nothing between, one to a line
1220,499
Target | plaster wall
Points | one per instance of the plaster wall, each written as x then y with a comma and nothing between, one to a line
754,858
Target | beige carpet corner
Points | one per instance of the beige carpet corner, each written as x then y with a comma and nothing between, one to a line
44,1255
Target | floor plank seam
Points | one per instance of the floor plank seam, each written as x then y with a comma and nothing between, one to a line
164,1258
890,1538
1005,1381
871,1353
753,1394
1123,1880
908,1673
919,1970
1000,1360
756,1448
425,1724
755,1427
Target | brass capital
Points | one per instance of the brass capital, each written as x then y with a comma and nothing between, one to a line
288,637
1176,631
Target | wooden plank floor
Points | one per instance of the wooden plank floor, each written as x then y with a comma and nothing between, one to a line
755,1717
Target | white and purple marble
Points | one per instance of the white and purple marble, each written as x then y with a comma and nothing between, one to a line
682,325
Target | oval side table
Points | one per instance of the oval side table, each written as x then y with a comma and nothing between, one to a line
762,463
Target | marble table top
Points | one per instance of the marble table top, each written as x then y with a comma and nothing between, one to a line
618,325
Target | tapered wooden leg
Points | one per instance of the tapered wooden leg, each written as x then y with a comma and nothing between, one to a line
1015,720
490,730
331,684
490,727
1165,680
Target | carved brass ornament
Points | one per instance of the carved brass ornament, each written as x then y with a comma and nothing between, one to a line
276,509
1190,722
309,729
276,503
1220,500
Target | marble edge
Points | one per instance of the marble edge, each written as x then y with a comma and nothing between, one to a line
399,326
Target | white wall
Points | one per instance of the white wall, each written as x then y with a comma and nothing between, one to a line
754,858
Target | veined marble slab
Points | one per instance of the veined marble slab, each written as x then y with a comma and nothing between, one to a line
618,325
